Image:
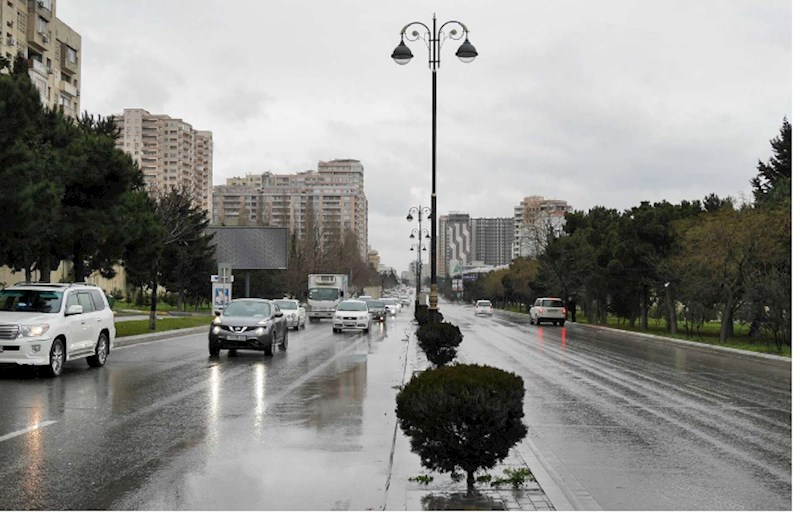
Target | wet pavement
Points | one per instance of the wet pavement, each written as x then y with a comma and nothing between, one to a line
614,423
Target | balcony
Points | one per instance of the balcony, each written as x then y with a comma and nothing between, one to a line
68,88
38,67
68,65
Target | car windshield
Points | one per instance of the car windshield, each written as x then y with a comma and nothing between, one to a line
376,305
323,294
484,304
552,303
352,306
287,304
247,309
26,300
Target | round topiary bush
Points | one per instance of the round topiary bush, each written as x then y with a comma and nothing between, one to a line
439,341
462,417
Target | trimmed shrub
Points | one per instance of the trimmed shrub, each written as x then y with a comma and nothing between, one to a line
439,341
423,315
463,417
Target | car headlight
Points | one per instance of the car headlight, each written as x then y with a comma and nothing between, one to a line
216,329
28,331
260,331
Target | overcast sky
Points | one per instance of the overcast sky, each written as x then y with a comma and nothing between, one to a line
600,103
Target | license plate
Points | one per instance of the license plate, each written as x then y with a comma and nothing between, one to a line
349,324
237,337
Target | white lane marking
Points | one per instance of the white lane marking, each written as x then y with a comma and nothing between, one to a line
27,430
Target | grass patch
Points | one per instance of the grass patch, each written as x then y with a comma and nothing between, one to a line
134,327
708,333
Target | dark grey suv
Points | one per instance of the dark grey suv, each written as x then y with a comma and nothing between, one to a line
249,323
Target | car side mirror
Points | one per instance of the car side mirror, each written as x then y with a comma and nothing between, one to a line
217,312
74,309
278,314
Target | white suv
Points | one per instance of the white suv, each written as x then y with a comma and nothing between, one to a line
47,324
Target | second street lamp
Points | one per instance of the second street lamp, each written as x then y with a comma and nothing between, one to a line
418,210
433,38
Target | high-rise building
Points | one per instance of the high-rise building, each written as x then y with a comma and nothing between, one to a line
491,240
453,242
534,218
30,29
374,259
170,153
330,200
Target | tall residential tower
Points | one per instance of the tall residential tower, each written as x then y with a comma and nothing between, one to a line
30,29
170,153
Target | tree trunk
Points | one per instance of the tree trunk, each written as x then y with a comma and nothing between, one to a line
645,305
153,304
672,318
470,481
727,320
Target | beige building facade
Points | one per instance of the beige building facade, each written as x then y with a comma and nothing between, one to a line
52,49
170,153
334,195
534,218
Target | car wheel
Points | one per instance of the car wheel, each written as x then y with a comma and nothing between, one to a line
56,364
532,321
538,321
285,343
562,323
213,350
100,352
269,350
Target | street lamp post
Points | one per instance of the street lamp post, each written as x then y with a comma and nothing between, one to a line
419,210
420,249
433,40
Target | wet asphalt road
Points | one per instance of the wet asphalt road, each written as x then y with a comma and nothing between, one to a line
631,423
164,427
619,423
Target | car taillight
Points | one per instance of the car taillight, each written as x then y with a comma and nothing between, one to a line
564,311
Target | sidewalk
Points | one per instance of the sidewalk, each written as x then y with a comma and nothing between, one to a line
405,493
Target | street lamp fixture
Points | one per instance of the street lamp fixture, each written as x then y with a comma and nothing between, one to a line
418,211
433,39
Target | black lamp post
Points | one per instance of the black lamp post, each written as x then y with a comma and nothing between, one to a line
418,211
434,39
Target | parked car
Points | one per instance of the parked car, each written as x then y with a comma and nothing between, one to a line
548,309
377,309
294,313
48,324
249,323
483,308
352,314
392,306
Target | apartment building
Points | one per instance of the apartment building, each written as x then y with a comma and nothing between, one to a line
491,240
170,153
453,242
534,218
331,200
30,29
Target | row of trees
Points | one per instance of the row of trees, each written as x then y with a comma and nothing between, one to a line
70,195
694,261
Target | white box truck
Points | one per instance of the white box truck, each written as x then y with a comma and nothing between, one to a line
325,292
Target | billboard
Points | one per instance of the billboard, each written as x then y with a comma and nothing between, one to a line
251,247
